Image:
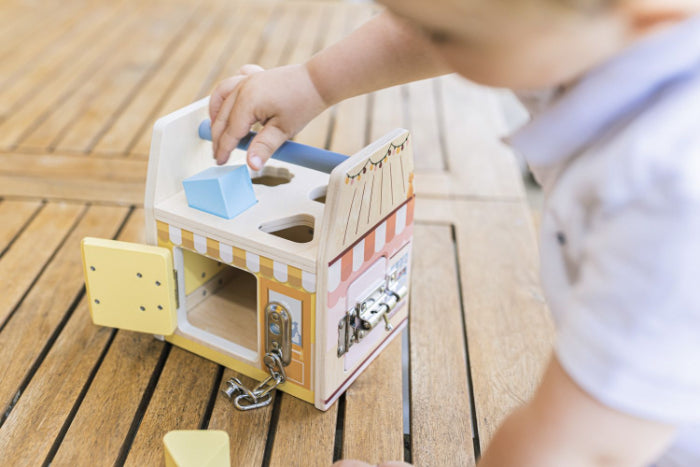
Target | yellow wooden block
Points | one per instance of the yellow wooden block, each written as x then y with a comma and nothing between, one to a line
197,448
130,286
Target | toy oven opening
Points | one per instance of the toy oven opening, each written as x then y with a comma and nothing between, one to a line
221,304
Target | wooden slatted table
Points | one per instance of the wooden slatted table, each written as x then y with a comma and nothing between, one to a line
81,84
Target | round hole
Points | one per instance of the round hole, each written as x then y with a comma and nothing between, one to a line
204,274
158,283
142,308
160,307
139,275
97,301
92,268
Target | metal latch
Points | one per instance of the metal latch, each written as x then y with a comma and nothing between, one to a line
368,313
278,346
278,331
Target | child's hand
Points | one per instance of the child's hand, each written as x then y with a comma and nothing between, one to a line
283,99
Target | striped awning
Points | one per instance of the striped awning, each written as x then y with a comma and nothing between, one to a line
388,237
170,235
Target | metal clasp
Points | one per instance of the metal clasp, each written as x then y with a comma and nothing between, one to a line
368,313
261,395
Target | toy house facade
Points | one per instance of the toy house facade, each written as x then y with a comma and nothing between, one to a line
330,250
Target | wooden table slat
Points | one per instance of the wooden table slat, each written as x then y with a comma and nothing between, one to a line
178,403
14,214
157,85
51,107
21,27
508,327
248,431
73,177
424,119
373,428
387,112
55,25
112,402
229,49
441,431
27,257
45,403
115,393
26,100
279,32
116,85
304,435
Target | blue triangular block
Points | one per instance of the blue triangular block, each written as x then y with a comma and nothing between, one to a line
223,191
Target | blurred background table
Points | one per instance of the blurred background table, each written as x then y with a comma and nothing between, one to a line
81,84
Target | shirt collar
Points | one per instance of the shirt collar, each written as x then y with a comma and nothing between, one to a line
608,92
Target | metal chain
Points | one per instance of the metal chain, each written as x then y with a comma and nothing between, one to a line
261,395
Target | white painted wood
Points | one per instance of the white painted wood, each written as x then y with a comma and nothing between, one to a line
356,209
351,211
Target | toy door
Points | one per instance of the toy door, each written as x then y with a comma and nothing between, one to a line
130,286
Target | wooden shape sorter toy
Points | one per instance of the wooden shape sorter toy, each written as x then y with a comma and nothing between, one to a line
301,290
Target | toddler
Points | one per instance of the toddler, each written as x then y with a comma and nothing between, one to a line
616,148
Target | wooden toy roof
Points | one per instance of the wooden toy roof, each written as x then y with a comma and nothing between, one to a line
285,195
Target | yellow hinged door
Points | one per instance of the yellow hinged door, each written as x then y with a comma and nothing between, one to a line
130,286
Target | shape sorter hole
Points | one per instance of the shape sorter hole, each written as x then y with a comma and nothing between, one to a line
139,275
319,194
271,176
297,229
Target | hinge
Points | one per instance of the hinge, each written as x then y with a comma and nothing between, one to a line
177,291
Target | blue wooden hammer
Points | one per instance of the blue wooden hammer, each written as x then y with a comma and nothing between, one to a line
294,153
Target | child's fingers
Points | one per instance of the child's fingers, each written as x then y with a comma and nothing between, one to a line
225,87
230,137
265,143
221,123
241,117
220,93
249,69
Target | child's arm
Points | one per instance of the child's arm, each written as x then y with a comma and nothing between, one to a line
563,425
383,52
